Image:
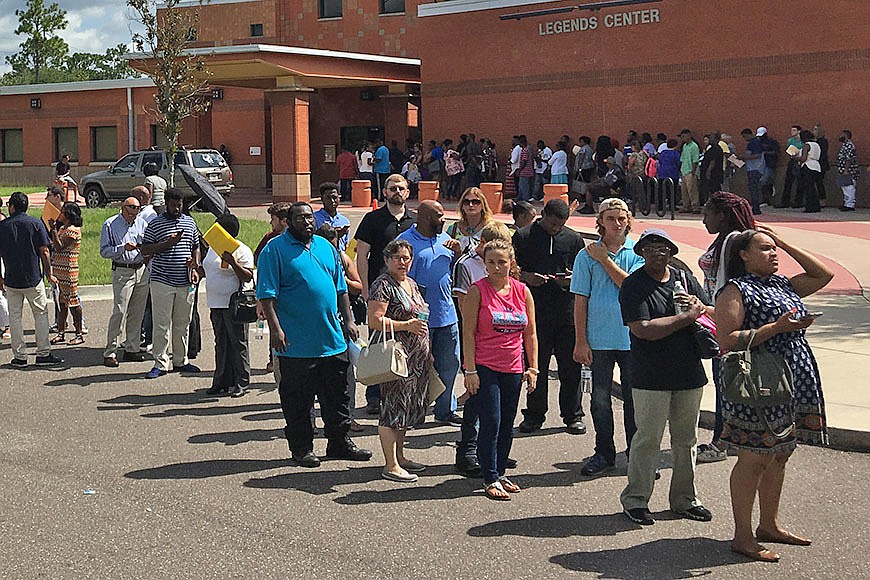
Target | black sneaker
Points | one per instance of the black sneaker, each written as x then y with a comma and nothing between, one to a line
596,466
48,360
19,363
698,513
308,459
347,449
511,463
468,468
238,391
451,419
640,516
576,427
218,390
530,426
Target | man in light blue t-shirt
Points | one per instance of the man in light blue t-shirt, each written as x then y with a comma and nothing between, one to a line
381,164
601,338
434,254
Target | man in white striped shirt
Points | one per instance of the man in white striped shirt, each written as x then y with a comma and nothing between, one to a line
172,241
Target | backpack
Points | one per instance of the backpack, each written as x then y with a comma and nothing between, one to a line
651,167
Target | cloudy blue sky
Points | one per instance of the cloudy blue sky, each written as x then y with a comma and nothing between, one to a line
94,25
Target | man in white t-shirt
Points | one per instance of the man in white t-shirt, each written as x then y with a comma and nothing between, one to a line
541,165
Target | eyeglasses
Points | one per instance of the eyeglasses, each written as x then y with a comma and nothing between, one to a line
400,258
396,188
472,202
657,250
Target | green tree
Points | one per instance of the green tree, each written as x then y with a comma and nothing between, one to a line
42,48
181,79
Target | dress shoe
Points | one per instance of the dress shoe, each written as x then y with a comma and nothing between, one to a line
48,360
188,368
452,419
530,426
468,468
217,390
133,356
576,427
110,361
347,449
511,463
154,373
308,459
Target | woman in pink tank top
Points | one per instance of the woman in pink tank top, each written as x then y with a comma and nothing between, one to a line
498,317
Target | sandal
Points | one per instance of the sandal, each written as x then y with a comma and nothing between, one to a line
495,491
59,339
509,486
6,333
77,339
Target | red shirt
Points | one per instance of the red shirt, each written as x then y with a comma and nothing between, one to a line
501,320
347,165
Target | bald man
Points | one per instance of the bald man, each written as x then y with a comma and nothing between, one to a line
146,211
120,239
434,255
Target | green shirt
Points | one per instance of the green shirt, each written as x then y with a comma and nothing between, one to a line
689,157
796,141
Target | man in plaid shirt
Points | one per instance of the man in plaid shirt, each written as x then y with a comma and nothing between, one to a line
847,170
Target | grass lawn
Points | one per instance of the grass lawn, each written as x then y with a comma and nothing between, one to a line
7,190
94,269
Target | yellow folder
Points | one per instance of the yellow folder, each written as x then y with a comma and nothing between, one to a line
220,241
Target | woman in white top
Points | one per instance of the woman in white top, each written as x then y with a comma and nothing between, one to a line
225,275
810,171
559,164
366,170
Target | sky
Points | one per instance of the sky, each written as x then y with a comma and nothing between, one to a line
94,26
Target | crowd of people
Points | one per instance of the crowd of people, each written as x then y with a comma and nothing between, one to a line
491,301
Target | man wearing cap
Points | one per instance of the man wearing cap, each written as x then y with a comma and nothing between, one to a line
601,339
754,165
668,377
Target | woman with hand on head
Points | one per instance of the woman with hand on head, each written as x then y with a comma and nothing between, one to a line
763,307
395,303
498,317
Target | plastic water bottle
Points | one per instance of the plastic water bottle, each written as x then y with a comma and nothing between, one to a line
261,329
585,379
679,290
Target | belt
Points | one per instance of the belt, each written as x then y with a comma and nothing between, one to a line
130,266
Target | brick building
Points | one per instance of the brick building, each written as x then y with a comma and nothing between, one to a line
300,78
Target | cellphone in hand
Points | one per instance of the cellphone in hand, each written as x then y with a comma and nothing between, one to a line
809,315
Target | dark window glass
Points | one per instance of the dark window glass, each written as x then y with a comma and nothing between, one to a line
12,146
256,30
104,143
392,6
330,8
66,142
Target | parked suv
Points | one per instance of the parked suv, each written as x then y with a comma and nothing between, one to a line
115,183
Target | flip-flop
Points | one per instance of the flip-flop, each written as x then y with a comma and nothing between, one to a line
509,486
410,478
762,555
413,466
785,538
492,490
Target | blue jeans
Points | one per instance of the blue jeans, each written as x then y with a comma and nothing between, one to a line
466,449
602,404
445,350
497,401
524,188
753,178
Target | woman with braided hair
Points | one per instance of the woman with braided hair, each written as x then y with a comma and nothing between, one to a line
725,216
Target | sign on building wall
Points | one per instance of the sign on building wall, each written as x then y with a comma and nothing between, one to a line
591,23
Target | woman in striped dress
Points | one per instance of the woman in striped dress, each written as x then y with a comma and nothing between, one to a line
66,239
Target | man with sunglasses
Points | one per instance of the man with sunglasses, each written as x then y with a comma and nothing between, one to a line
375,231
668,377
120,240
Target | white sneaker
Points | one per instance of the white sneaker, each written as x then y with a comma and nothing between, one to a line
710,454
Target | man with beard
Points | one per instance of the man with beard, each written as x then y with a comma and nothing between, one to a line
172,242
297,268
375,231
434,253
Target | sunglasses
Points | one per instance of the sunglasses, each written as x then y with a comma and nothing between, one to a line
472,202
136,207
657,250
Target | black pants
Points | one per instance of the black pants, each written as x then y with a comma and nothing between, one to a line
556,338
807,195
791,176
232,367
820,185
301,380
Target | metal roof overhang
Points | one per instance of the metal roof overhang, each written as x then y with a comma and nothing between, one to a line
265,66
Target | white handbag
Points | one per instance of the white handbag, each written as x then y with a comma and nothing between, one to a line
382,362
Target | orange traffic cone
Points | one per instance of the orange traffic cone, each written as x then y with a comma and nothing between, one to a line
374,204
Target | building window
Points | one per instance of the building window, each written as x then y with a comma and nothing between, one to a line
12,146
392,6
66,142
104,143
330,8
257,29
157,138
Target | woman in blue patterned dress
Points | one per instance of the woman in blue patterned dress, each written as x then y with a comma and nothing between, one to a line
760,304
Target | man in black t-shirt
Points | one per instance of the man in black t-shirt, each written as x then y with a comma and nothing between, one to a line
375,231
668,376
545,251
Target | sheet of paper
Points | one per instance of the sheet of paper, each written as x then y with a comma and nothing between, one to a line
736,161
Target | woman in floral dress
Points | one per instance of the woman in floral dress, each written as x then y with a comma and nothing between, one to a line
66,242
396,302
762,307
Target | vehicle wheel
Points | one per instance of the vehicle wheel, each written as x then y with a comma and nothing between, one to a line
94,197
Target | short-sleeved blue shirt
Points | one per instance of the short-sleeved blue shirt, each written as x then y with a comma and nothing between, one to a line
21,240
604,327
753,147
305,283
431,270
321,217
382,166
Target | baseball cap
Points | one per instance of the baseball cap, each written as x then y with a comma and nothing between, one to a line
655,235
612,203
761,131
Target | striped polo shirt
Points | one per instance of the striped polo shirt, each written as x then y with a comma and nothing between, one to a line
170,266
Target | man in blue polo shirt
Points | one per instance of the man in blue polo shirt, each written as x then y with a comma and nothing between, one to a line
434,253
301,286
381,164
23,249
329,213
601,338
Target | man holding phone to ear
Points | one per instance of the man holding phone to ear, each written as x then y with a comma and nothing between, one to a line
328,214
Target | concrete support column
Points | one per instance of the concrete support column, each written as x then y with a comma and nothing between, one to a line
291,164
